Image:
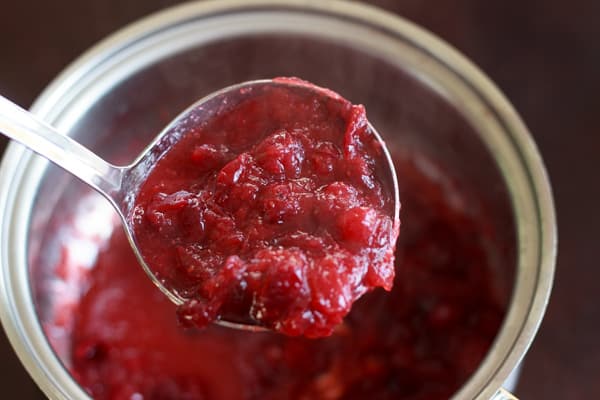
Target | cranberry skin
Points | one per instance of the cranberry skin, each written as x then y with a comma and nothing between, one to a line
207,157
357,227
196,313
281,155
282,295
288,203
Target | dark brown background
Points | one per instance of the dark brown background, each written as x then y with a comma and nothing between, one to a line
545,55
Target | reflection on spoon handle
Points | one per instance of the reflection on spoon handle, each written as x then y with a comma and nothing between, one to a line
25,128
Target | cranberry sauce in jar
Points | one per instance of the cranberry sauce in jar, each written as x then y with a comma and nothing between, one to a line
420,341
274,210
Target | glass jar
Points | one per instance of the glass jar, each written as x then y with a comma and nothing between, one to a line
423,97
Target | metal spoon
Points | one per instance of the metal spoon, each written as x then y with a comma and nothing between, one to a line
120,184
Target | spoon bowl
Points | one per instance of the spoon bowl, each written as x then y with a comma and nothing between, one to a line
121,184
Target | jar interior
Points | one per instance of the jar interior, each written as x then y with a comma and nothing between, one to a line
70,224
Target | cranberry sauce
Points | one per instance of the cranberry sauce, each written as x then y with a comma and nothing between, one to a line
420,341
274,212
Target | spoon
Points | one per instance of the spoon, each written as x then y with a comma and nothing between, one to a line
120,184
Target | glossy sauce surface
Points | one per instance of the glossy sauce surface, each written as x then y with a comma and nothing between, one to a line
274,211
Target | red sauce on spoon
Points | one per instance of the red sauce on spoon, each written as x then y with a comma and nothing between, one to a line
273,212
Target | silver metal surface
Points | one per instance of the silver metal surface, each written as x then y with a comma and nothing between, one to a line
27,129
503,394
381,37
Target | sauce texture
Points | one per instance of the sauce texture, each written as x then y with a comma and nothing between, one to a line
273,212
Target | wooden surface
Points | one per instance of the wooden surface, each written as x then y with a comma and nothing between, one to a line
545,55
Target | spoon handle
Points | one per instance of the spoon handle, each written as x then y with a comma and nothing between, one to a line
27,129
